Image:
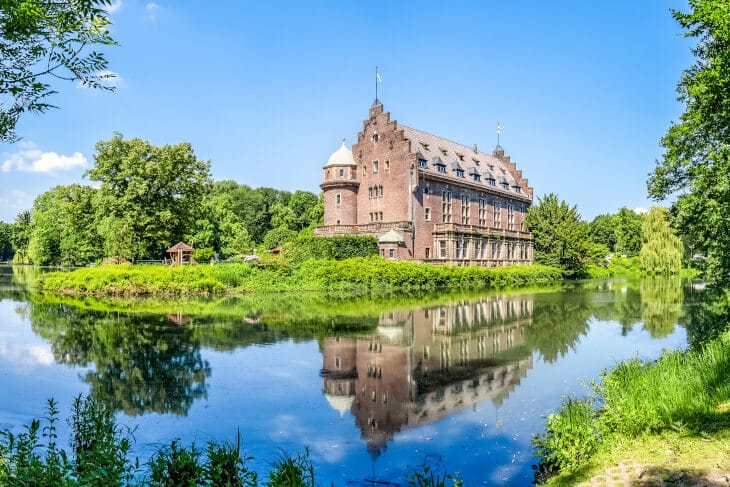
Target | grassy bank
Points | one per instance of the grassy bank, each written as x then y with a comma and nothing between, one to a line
355,274
683,397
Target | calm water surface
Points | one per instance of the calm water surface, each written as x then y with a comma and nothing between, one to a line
372,387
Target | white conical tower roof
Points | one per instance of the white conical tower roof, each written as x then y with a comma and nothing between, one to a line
341,157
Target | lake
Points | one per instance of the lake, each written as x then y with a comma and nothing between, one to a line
373,386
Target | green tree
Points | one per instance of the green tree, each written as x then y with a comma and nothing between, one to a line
62,229
20,237
661,252
149,196
41,41
44,245
6,241
561,238
696,161
603,231
628,232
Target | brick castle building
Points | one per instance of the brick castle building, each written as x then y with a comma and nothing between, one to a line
426,198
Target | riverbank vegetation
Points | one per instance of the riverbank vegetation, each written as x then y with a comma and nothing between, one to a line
683,392
99,454
277,274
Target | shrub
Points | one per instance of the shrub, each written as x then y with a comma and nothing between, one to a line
572,436
204,254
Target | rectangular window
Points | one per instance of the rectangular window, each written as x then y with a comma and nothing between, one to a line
446,206
465,250
477,178
460,173
492,182
482,212
442,249
338,198
428,252
510,217
458,248
391,253
477,249
427,214
342,173
387,165
497,215
464,209
422,163
380,188
375,167
441,168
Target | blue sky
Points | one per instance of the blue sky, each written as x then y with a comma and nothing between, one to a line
266,90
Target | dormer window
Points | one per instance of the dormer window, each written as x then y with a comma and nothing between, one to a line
441,168
517,189
460,173
422,163
477,178
505,186
491,181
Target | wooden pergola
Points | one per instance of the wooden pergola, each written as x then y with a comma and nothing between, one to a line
181,253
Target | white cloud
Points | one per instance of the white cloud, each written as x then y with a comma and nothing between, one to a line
114,6
31,159
152,10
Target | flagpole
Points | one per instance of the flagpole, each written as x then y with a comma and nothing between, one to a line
376,84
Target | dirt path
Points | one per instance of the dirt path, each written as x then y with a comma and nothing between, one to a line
632,473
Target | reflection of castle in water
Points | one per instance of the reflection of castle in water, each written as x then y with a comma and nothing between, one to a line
427,363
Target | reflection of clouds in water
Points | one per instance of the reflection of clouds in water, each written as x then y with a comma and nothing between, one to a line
287,428
27,355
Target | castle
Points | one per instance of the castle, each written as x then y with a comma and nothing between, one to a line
426,198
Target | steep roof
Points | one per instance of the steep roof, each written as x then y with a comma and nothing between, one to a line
180,246
454,155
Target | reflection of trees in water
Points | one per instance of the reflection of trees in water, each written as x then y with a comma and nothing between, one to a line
142,363
708,315
662,299
621,303
558,320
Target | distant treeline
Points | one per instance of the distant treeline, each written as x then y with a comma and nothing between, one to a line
146,198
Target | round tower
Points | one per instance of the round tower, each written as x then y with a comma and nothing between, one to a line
340,188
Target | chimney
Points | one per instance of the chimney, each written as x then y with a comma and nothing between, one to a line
476,151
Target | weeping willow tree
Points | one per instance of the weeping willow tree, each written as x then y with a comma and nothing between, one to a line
661,250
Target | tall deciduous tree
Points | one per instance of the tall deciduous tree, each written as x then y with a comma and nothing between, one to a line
45,40
149,196
696,161
6,241
561,238
661,251
628,232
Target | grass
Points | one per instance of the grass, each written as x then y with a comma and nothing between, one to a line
684,395
276,275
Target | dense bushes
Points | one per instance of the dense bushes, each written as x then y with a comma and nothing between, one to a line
306,247
276,274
